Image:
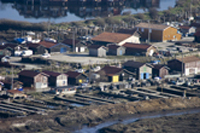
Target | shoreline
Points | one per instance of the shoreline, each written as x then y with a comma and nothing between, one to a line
63,121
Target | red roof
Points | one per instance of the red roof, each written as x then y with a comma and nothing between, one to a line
14,91
72,74
113,46
137,46
95,46
111,37
51,73
185,27
70,42
110,71
33,45
47,44
30,73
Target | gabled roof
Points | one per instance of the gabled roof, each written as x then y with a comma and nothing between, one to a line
137,46
152,26
47,44
95,46
33,45
51,73
73,74
130,31
114,47
133,64
110,71
159,66
70,42
189,59
30,73
111,37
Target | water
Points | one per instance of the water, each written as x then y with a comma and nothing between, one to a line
57,13
95,129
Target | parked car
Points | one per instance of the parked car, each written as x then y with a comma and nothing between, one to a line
46,55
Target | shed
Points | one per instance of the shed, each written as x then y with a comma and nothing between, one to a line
79,46
56,79
188,65
114,74
36,48
97,50
34,79
139,49
160,70
142,70
75,78
116,50
157,32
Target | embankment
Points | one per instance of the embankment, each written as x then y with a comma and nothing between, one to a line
68,120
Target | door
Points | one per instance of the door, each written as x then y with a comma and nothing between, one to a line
120,52
63,50
141,76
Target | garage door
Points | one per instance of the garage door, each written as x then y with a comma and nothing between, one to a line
192,71
63,50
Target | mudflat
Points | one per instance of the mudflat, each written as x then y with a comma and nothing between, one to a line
73,119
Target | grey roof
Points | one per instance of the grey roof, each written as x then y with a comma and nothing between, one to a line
133,64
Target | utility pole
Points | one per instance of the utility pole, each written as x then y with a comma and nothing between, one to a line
12,79
182,67
148,32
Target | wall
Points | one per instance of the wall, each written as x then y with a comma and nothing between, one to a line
145,69
41,81
61,80
171,34
133,39
93,52
101,52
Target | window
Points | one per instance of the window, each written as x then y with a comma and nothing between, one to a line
142,30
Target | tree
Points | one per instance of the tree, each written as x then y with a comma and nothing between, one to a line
139,16
99,22
153,13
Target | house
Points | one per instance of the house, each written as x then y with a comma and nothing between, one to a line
142,70
56,79
116,50
15,85
54,47
114,74
15,93
157,32
79,46
187,30
36,48
75,78
160,70
117,38
97,50
64,90
34,79
187,65
7,49
139,49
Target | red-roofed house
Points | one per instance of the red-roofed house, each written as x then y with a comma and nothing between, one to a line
117,38
55,47
157,32
56,79
34,79
116,50
75,78
139,49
